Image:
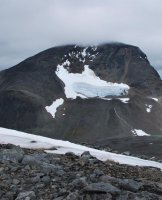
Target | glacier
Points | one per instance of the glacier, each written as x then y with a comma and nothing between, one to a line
88,85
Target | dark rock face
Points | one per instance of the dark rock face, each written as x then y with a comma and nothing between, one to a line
27,88
72,177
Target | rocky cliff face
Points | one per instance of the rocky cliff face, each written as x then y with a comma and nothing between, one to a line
90,112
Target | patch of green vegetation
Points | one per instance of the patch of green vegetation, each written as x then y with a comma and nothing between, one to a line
159,135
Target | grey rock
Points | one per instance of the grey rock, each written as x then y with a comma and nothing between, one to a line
92,177
102,187
15,168
138,196
1,192
60,198
27,167
35,158
129,184
3,198
60,172
12,155
106,178
10,195
39,185
126,184
79,183
73,196
1,169
71,155
15,181
62,191
30,160
153,158
35,179
98,172
127,153
46,179
86,155
39,164
47,168
98,196
153,187
28,194
125,195
40,174
27,198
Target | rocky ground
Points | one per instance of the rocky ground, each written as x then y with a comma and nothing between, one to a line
33,174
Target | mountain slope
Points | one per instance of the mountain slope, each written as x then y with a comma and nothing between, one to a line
108,91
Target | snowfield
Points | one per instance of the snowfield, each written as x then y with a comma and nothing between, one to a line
87,84
30,141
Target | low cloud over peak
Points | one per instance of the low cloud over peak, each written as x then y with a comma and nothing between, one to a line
30,27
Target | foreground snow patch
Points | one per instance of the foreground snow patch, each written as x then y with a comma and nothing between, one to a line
30,141
87,84
138,132
53,107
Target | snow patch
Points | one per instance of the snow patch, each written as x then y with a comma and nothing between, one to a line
124,100
87,84
148,108
138,132
53,107
25,140
67,63
94,48
155,99
84,52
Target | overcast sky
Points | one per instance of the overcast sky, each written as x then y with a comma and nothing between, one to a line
28,27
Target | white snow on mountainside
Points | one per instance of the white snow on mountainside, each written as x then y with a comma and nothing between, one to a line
155,99
138,132
53,107
148,108
34,142
87,84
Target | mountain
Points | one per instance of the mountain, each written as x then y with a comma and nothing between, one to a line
91,94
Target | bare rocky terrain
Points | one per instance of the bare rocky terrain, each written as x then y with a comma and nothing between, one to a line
33,174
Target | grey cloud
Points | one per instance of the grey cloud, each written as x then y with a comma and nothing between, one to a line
28,27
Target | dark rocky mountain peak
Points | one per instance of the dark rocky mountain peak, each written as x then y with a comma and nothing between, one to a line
83,94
